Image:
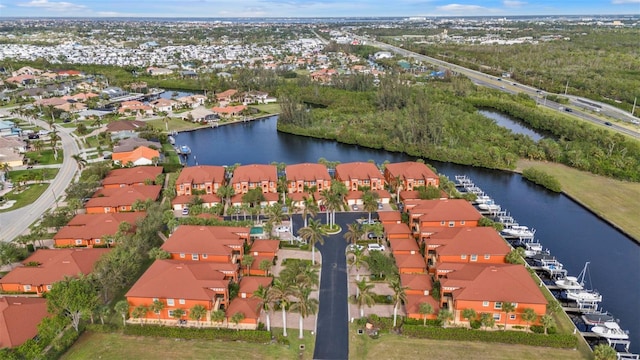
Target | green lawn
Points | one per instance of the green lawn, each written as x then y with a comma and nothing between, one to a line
26,197
397,347
614,200
174,124
172,157
33,174
45,157
116,346
272,108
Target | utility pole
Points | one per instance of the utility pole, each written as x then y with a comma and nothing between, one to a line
633,109
566,87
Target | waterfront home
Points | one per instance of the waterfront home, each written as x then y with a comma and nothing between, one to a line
71,107
409,175
178,285
200,114
257,97
227,96
430,216
47,266
161,104
135,107
229,111
130,144
302,177
136,176
360,174
255,176
19,319
207,243
356,197
121,199
125,128
202,179
484,288
89,230
139,156
192,101
465,245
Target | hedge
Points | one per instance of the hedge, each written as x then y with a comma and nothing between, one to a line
253,336
506,337
542,178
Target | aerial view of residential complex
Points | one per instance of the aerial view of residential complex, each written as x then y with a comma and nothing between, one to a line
319,180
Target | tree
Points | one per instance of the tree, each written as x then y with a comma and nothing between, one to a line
381,264
265,303
487,320
508,308
370,202
312,234
547,322
122,308
529,315
10,253
140,312
5,168
305,305
236,318
247,261
218,316
279,292
159,254
310,208
469,314
425,309
177,314
515,256
197,312
399,296
265,265
157,306
226,192
365,295
604,352
445,316
354,233
103,312
72,297
79,160
357,260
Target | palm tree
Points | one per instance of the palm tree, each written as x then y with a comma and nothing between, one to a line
445,316
279,292
5,168
265,265
486,319
139,312
177,314
79,160
529,315
399,296
305,305
122,308
604,352
357,260
292,208
265,303
365,295
469,314
197,312
508,308
236,318
425,309
547,322
312,234
310,208
370,202
218,316
354,233
226,192
247,261
157,306
53,140
103,312
37,145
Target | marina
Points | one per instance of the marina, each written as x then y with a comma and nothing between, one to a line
582,305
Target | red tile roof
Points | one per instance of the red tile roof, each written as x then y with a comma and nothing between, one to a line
307,171
141,152
55,264
396,229
389,216
408,244
176,279
357,170
477,282
261,246
254,173
249,284
411,170
250,307
123,196
445,210
96,226
419,282
195,239
206,199
128,176
410,261
412,305
19,319
201,174
468,240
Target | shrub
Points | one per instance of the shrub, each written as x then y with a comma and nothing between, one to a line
252,336
542,178
476,324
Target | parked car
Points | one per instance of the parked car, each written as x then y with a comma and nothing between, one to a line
352,247
607,123
368,222
282,228
185,211
354,207
375,247
372,235
379,206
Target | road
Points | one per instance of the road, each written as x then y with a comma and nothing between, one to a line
16,222
579,106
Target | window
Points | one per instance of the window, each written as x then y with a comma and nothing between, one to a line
78,241
463,256
123,208
485,303
27,287
515,305
48,287
170,302
155,299
182,255
487,256
107,209
181,301
97,241
204,256
452,223
497,305
512,316
474,257
442,222
181,186
496,317
170,313
194,256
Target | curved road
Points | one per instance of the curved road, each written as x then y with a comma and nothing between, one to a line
16,222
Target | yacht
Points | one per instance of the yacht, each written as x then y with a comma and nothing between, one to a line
610,330
483,199
597,318
569,283
489,206
518,231
584,295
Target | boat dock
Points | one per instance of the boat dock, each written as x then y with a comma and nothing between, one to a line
571,295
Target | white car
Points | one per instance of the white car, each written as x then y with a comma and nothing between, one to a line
282,228
353,247
369,222
375,247
185,211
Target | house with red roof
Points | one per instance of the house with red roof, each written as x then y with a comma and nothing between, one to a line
121,199
227,96
249,307
179,285
262,250
485,288
465,245
429,216
404,246
162,104
229,111
222,244
397,231
135,107
410,174
47,266
410,263
19,319
360,174
205,179
301,177
136,176
139,156
89,230
251,284
255,176
389,217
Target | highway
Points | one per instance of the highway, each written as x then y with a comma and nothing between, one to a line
16,222
578,106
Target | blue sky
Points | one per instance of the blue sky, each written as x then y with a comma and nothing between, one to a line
312,8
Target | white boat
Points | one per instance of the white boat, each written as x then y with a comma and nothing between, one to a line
483,199
597,318
569,283
519,231
489,206
533,248
584,295
172,140
185,150
610,330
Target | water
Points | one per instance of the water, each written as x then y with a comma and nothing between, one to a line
169,94
512,124
573,234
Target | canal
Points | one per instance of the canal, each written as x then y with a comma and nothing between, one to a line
572,233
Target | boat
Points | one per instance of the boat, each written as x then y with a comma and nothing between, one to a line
597,318
483,199
569,283
610,330
518,231
185,150
533,248
489,206
172,140
584,295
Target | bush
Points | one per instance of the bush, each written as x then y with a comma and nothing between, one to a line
476,324
538,329
252,336
542,178
169,168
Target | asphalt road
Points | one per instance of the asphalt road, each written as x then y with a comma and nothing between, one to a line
332,337
14,223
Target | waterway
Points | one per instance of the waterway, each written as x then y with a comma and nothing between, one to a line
572,233
512,124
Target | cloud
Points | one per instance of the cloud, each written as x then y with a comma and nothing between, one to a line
513,3
55,6
459,8
624,2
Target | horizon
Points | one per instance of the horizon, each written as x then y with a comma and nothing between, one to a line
312,8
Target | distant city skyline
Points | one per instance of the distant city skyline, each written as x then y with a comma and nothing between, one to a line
312,8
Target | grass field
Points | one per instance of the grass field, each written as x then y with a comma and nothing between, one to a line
397,347
45,157
117,346
26,197
174,124
614,200
34,174
268,108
